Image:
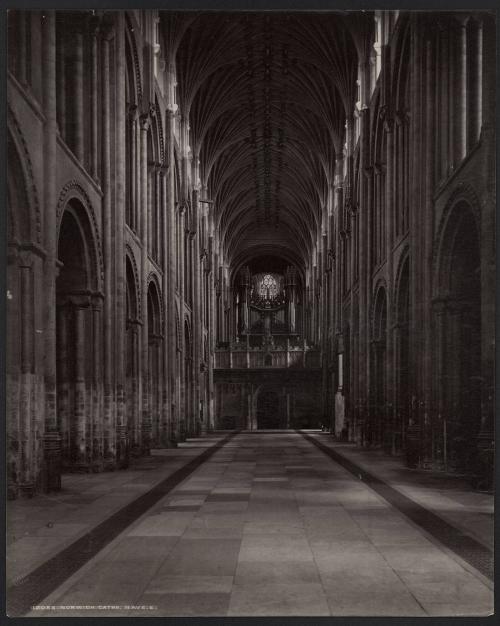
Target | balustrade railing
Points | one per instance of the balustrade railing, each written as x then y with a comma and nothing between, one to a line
241,355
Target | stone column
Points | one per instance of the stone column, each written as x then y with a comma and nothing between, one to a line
63,406
120,287
78,95
27,465
144,210
109,417
61,78
462,94
170,269
97,430
52,445
439,397
197,314
487,238
164,209
22,47
364,263
479,81
390,363
80,417
181,373
94,60
157,213
416,210
338,248
212,316
427,234
136,209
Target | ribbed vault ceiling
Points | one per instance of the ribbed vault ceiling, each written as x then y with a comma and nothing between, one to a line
267,96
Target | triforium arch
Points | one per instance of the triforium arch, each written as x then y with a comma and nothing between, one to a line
458,340
79,341
24,220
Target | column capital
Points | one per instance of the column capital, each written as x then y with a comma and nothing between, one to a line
460,20
440,304
107,28
386,117
401,118
94,25
388,124
351,206
97,300
25,259
133,112
144,121
77,299
152,110
134,324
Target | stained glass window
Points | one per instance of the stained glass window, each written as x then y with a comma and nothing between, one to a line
268,287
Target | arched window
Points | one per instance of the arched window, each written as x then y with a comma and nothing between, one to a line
268,287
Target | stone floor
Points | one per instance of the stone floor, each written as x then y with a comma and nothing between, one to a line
268,526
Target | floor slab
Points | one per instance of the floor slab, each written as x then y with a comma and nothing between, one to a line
270,526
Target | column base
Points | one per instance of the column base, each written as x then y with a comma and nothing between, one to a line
123,463
109,465
485,440
484,470
12,491
97,466
27,490
51,472
81,467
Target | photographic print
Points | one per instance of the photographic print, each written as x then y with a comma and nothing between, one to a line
250,313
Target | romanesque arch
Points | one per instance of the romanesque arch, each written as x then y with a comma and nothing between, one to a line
457,315
155,361
24,276
378,375
402,351
79,339
132,355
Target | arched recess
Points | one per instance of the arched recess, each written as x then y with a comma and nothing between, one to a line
400,88
79,340
377,428
155,189
402,347
458,335
133,96
132,358
24,427
155,366
379,155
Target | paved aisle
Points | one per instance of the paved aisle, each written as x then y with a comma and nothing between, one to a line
271,526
